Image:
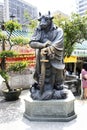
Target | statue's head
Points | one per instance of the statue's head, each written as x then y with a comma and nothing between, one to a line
45,20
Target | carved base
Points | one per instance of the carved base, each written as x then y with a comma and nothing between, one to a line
50,110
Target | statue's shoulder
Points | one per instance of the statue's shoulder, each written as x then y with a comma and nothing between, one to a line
38,29
36,35
59,29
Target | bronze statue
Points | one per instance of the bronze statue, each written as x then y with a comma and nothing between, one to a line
48,41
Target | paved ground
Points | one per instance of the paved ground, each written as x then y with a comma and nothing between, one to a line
11,117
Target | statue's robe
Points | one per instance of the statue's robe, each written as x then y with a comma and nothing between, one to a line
55,66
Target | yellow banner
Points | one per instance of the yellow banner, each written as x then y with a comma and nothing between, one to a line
71,59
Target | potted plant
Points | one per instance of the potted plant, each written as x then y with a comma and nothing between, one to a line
10,26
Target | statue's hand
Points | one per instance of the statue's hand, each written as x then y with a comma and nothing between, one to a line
48,50
44,51
47,43
50,53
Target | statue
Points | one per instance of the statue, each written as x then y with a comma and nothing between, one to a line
48,42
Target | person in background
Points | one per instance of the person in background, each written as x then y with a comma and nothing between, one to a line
66,72
84,80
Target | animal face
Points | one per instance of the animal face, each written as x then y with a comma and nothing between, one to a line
45,20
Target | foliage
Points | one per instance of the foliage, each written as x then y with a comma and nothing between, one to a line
26,15
4,74
7,54
2,36
19,66
32,22
20,40
12,25
75,30
58,19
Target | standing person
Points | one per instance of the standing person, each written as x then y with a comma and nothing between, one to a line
84,80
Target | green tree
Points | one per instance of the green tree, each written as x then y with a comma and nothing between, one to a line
75,31
10,26
32,23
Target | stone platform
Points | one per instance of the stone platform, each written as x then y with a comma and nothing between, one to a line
50,110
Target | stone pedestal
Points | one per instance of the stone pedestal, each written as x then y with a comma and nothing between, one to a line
50,110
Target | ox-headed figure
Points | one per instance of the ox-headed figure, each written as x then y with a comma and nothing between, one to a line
48,42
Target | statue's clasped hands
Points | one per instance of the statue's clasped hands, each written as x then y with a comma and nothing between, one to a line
48,50
47,43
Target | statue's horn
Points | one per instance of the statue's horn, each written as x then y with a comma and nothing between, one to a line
49,13
39,14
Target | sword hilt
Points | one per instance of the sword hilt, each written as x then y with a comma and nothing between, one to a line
44,60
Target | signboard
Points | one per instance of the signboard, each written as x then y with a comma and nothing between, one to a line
71,59
80,53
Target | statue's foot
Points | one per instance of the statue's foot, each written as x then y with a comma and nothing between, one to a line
45,96
63,95
36,95
60,94
59,87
